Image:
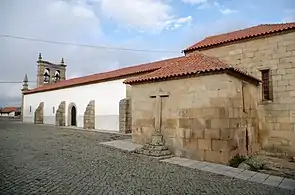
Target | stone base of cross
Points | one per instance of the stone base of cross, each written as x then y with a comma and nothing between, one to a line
156,147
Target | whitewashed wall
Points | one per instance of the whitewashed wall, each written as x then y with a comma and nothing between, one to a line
106,95
7,114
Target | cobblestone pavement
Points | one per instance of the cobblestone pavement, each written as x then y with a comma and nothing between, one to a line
38,159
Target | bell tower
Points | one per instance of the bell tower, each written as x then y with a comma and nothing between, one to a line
49,73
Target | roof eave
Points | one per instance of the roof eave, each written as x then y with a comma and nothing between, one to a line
230,71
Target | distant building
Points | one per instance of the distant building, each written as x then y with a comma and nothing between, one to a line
10,111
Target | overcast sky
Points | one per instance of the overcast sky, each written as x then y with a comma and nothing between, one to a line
141,24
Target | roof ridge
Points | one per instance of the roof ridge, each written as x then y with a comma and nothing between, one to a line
242,33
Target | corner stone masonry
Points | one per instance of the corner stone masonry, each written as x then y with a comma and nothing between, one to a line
89,116
60,114
38,119
125,115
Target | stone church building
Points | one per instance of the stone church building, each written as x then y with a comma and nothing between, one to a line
229,94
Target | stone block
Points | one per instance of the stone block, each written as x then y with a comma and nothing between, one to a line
204,144
221,145
287,184
185,123
217,156
196,154
273,181
198,123
170,123
245,175
212,133
169,133
184,133
286,126
259,177
198,133
209,112
226,134
219,123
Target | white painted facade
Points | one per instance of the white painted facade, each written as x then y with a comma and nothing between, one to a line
7,114
107,96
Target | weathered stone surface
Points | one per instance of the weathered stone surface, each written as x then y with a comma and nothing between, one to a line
89,115
200,129
60,117
276,54
39,115
156,147
77,164
125,118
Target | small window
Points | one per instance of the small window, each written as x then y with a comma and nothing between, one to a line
30,109
243,96
266,84
53,109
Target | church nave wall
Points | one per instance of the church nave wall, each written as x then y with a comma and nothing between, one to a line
106,96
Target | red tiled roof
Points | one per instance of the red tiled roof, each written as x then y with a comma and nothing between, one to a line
123,72
9,109
255,31
187,65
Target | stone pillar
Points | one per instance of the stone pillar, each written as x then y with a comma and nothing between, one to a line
39,115
125,119
24,89
60,119
89,116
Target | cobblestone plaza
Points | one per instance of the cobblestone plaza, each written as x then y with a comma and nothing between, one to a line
37,159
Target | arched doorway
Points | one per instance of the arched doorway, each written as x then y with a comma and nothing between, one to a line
73,116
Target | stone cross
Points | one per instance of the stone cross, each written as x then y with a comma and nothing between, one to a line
158,111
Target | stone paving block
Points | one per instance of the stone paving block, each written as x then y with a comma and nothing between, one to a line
207,168
259,177
235,170
198,165
245,175
126,145
183,161
273,181
223,168
232,172
288,184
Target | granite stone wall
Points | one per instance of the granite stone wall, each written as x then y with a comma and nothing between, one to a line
60,117
89,115
39,114
204,118
125,118
276,53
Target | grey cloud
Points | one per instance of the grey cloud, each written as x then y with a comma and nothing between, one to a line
76,22
65,21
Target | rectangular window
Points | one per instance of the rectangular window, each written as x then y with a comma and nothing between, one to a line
265,84
30,109
53,109
243,96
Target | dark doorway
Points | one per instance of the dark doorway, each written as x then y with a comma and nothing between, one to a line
73,116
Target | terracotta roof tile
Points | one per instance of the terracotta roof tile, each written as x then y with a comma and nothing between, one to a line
187,65
251,32
123,72
9,109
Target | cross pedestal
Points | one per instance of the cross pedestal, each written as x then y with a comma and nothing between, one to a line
156,147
